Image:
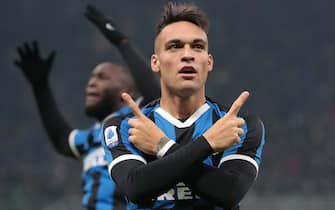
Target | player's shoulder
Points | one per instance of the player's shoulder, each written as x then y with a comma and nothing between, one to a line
220,107
150,107
94,126
115,119
250,117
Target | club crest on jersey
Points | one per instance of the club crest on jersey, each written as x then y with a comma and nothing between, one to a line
111,138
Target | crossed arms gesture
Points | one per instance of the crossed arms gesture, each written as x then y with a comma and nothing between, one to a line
224,186
146,136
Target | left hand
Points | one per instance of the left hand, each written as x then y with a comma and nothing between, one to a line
104,24
226,131
144,134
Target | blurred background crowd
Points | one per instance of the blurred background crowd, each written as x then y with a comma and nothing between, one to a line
283,52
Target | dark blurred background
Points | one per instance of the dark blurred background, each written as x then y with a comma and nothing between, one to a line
283,52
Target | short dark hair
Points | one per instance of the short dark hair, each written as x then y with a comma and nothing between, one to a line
174,12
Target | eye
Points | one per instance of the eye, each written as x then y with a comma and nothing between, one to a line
199,46
103,76
174,45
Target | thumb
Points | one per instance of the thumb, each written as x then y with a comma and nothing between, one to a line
238,103
133,106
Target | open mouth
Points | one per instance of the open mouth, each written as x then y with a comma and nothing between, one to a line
188,73
91,95
187,70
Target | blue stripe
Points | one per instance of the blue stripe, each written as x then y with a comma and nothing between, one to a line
81,137
124,137
233,149
105,189
165,126
202,124
165,204
260,147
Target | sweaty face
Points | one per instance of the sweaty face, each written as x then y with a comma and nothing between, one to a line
181,57
102,91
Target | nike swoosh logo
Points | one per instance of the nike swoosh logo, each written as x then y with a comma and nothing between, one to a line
110,27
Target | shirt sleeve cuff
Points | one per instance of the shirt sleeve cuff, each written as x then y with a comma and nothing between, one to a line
165,148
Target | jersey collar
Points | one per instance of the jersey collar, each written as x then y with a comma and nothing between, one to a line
179,124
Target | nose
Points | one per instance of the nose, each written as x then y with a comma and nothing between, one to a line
187,55
91,82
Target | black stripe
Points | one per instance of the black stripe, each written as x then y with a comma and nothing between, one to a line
119,200
217,157
184,135
152,117
81,148
91,142
253,138
95,187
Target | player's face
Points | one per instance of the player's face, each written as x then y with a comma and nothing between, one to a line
103,91
182,59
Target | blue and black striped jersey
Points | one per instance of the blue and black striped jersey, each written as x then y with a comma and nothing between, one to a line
100,192
118,149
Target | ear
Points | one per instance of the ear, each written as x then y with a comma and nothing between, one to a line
154,63
210,62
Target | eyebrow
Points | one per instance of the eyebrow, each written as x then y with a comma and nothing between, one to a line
173,41
199,41
179,41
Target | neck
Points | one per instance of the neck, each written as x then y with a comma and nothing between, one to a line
182,107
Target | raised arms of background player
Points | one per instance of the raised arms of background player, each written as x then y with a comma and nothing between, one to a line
225,186
149,87
36,69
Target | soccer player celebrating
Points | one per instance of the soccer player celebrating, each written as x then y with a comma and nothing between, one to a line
184,151
103,97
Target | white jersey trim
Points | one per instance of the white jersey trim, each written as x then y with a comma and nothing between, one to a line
165,148
72,143
123,158
240,157
179,124
94,159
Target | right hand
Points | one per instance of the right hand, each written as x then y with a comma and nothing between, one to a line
35,68
144,133
227,131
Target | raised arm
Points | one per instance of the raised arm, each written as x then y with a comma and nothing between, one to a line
36,69
145,79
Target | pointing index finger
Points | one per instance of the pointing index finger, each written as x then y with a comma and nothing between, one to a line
133,106
238,103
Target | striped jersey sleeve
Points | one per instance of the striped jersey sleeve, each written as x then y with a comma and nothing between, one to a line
115,142
77,139
251,143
